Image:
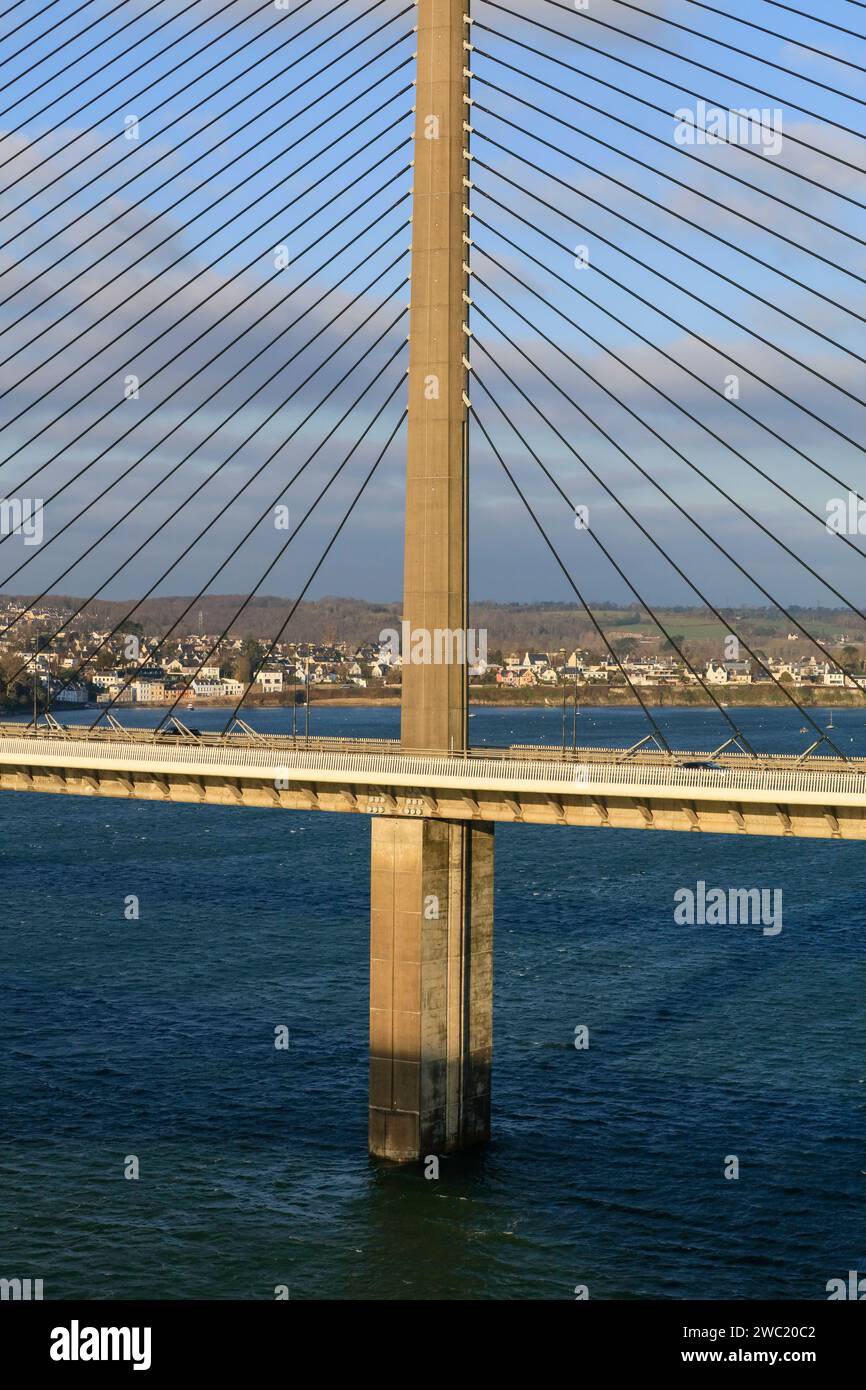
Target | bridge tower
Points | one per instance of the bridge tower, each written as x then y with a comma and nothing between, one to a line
431,886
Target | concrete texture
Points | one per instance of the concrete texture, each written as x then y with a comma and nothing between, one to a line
431,986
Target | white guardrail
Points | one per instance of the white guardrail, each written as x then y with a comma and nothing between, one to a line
466,773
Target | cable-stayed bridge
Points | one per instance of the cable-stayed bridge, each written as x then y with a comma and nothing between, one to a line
629,285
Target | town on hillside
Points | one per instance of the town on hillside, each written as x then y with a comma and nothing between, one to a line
52,663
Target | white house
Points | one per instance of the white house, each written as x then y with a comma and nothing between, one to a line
104,680
209,689
271,682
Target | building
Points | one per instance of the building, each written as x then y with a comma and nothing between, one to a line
729,673
207,688
150,691
271,681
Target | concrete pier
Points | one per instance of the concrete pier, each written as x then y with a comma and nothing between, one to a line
431,986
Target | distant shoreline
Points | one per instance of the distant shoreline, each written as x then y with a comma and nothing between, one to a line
740,697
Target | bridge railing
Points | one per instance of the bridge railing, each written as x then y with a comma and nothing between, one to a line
686,759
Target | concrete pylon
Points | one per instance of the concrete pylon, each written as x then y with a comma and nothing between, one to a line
431,896
435,554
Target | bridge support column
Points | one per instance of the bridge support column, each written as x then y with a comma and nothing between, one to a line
431,986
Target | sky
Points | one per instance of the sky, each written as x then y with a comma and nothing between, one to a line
154,258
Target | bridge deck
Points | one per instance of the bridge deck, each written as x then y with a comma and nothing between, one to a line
778,794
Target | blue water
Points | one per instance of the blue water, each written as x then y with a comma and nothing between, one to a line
154,1038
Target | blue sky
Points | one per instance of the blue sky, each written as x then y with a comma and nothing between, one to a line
259,127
